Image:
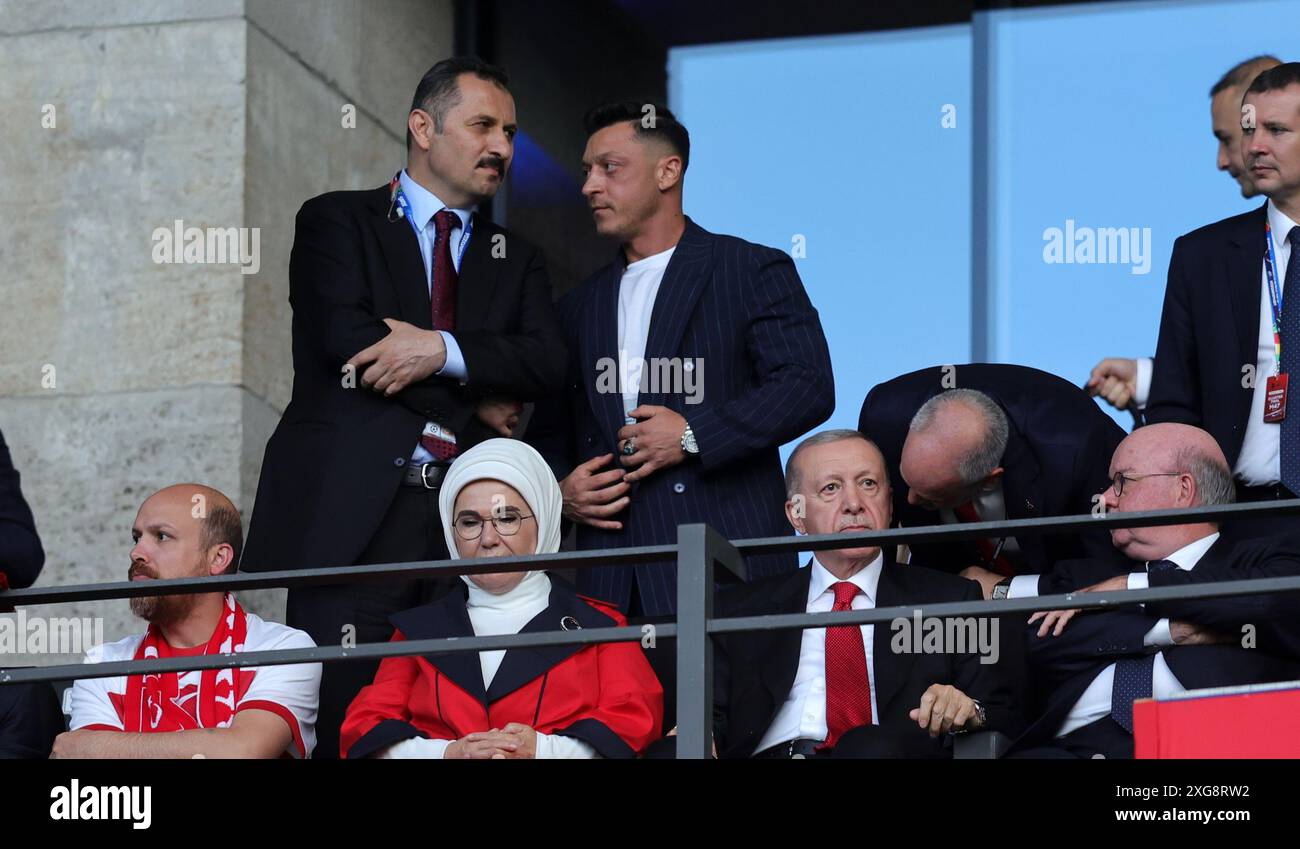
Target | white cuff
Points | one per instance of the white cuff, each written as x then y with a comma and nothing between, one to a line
1138,581
559,747
1159,635
1142,388
1023,586
455,364
415,748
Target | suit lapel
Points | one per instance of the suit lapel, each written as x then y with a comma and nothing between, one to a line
1022,493
405,266
599,345
890,669
477,280
443,619
779,658
1244,291
687,274
565,611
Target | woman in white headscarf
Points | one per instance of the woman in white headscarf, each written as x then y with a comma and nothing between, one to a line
500,499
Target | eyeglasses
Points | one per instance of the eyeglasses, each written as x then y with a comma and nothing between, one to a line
1117,482
471,527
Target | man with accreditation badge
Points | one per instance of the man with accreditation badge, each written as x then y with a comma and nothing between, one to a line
1229,333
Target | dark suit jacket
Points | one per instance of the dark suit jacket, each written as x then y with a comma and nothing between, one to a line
21,555
1209,330
1057,456
339,454
1064,666
755,671
740,311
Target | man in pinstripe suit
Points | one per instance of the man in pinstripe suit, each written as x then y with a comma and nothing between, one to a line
694,356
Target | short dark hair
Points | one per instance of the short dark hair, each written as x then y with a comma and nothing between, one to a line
652,121
222,526
439,88
1242,73
1273,79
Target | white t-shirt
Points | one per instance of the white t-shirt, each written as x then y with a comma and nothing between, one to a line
637,291
291,692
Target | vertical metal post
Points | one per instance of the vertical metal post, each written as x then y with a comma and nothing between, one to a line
699,547
694,648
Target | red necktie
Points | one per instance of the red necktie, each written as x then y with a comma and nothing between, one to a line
442,300
965,514
848,688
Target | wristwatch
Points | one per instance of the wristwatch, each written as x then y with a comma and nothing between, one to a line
1001,589
981,716
688,441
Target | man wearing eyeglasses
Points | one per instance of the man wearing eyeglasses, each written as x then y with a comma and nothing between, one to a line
1092,666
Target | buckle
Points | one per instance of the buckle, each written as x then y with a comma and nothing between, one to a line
424,475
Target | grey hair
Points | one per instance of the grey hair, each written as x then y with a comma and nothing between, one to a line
1214,483
793,479
986,457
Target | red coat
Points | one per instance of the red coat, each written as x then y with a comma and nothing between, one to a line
605,695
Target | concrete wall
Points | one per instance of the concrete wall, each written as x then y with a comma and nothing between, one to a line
119,375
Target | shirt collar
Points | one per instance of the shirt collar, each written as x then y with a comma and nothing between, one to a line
1281,227
425,204
1189,555
867,578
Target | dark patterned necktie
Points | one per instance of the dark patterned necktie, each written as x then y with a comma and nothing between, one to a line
442,300
1289,438
443,296
1133,675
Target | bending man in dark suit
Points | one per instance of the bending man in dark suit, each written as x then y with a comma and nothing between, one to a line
1090,667
987,442
1216,360
413,316
854,691
695,356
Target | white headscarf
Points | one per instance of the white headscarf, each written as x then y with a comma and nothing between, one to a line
514,463
517,464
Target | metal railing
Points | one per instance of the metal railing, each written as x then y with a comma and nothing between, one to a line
699,550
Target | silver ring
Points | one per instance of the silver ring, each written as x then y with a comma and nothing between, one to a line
568,623
629,447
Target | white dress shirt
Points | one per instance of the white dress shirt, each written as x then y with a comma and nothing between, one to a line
1259,462
803,716
1095,701
425,205
636,302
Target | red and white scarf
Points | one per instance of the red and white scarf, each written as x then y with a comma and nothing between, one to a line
155,702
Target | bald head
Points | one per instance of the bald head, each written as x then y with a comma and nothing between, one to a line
1166,467
1183,449
954,446
183,531
205,510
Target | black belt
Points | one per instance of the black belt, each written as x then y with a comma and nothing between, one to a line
793,750
1265,492
426,475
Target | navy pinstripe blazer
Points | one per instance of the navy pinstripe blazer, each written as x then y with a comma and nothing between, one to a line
764,378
